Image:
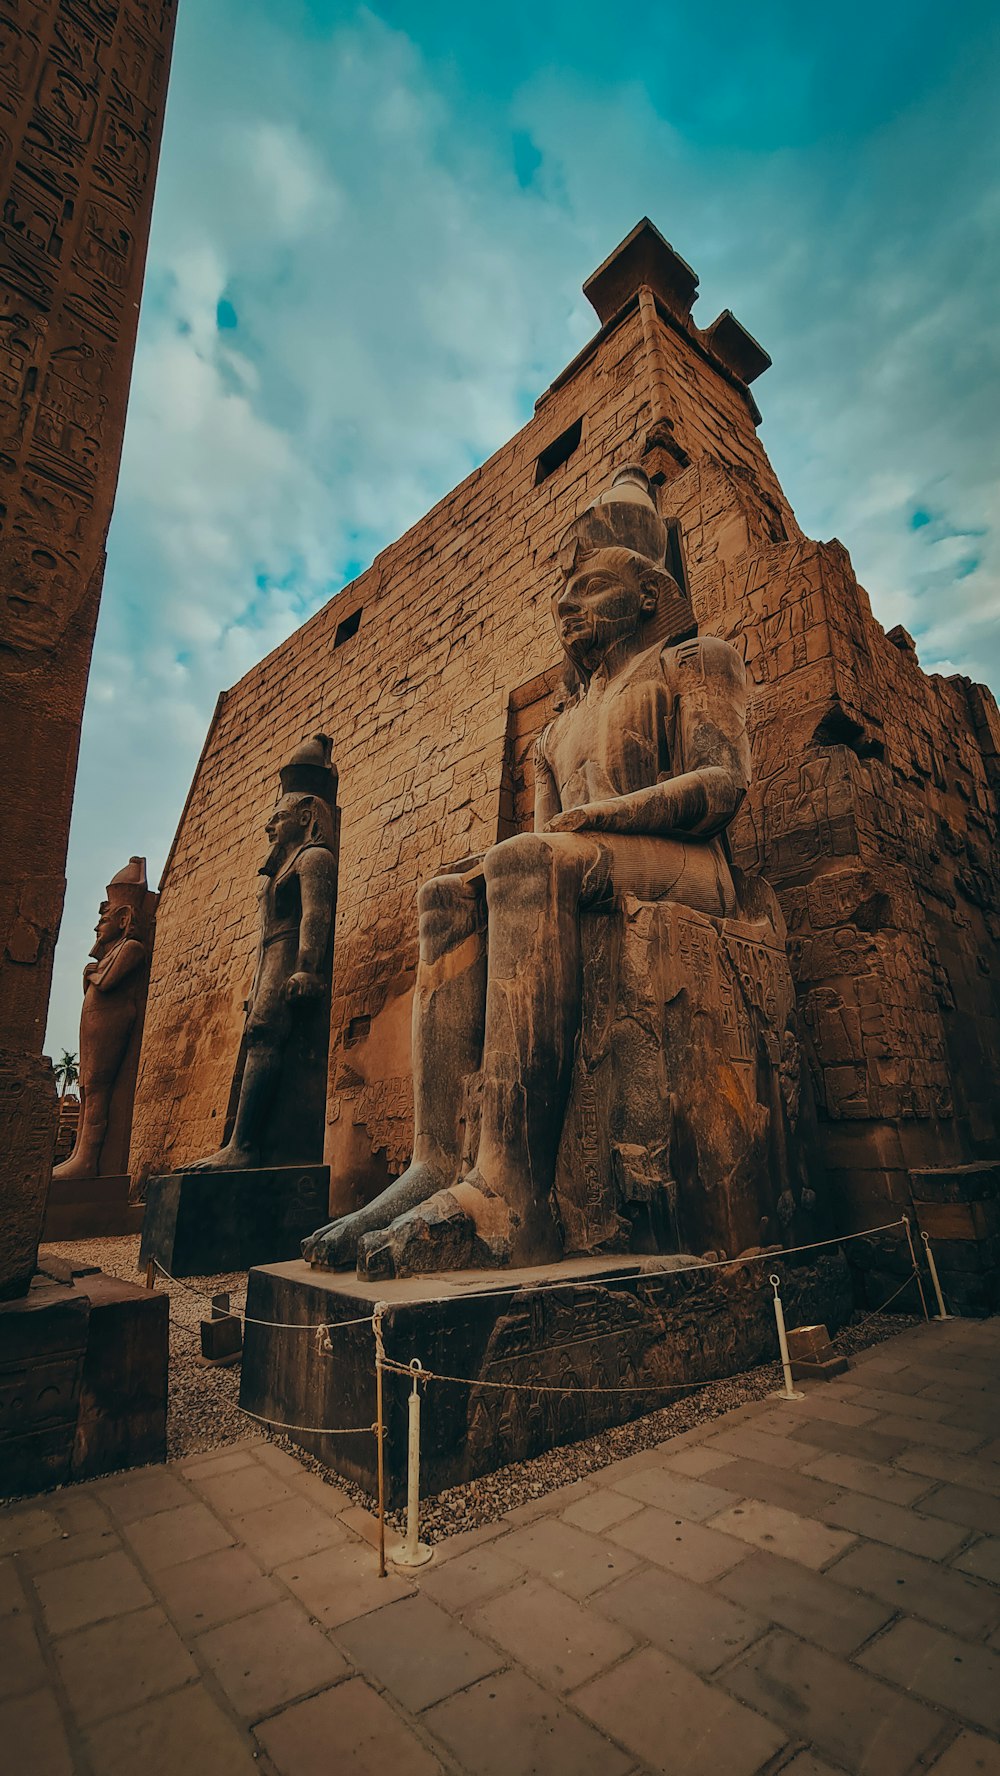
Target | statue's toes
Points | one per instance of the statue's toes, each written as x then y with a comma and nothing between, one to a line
435,1236
376,1256
330,1248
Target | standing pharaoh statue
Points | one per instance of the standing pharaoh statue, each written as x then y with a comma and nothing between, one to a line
637,778
278,1094
114,998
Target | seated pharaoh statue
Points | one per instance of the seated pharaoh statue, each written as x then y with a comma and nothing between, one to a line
604,1045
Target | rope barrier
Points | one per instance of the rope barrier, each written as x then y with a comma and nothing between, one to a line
674,1387
770,1256
251,1319
544,1387
313,1430
859,1325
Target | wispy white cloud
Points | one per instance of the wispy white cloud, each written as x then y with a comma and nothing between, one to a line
365,266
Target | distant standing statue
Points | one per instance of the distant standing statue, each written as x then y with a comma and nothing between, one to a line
114,998
278,1095
637,778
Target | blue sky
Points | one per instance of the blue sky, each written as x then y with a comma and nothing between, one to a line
370,233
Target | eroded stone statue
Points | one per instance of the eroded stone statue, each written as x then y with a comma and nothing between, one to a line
114,995
637,778
285,1035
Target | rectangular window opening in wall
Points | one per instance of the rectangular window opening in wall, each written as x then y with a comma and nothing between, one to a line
558,452
358,1027
347,628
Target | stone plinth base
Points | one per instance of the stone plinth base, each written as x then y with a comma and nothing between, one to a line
87,1208
629,1327
958,1207
205,1223
83,1381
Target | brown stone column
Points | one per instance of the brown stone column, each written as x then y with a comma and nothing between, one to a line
82,91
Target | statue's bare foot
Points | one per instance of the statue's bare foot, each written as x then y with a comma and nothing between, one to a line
231,1158
436,1236
335,1247
82,1166
454,1229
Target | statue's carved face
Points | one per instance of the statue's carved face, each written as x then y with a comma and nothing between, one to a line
287,825
109,928
602,602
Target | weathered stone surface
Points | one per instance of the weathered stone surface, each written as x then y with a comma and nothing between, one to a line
82,100
627,1329
606,1054
83,1381
958,1208
209,1223
872,808
275,1115
114,1003
43,1344
122,1420
87,1208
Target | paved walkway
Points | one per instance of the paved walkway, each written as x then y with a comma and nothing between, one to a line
798,1588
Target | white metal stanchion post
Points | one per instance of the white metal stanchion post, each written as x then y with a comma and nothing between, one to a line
789,1393
412,1551
916,1267
943,1313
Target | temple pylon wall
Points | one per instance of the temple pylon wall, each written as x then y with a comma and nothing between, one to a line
873,812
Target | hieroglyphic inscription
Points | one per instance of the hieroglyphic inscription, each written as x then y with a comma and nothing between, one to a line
81,98
82,91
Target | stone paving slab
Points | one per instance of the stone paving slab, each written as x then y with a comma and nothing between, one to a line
808,1589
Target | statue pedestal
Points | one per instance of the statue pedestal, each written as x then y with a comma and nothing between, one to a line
87,1208
206,1223
586,1324
86,1360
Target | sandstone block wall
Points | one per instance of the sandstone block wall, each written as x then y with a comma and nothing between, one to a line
873,812
82,92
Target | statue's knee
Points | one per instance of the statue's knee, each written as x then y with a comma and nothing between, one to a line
526,854
527,867
448,909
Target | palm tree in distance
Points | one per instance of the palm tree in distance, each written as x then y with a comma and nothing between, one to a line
67,1071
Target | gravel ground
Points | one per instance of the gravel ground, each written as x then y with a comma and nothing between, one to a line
488,1499
203,1411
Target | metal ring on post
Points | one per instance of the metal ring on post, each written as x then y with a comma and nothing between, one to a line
788,1392
412,1551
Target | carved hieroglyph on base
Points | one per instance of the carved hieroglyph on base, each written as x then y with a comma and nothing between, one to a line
279,1087
114,999
666,1028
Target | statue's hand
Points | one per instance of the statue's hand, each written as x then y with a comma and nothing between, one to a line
570,820
303,986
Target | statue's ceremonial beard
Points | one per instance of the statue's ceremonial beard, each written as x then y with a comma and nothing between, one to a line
590,645
274,859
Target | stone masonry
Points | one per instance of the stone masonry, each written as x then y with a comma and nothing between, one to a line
873,812
82,91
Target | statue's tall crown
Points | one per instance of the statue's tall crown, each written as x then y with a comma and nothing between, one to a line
311,771
129,887
623,517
